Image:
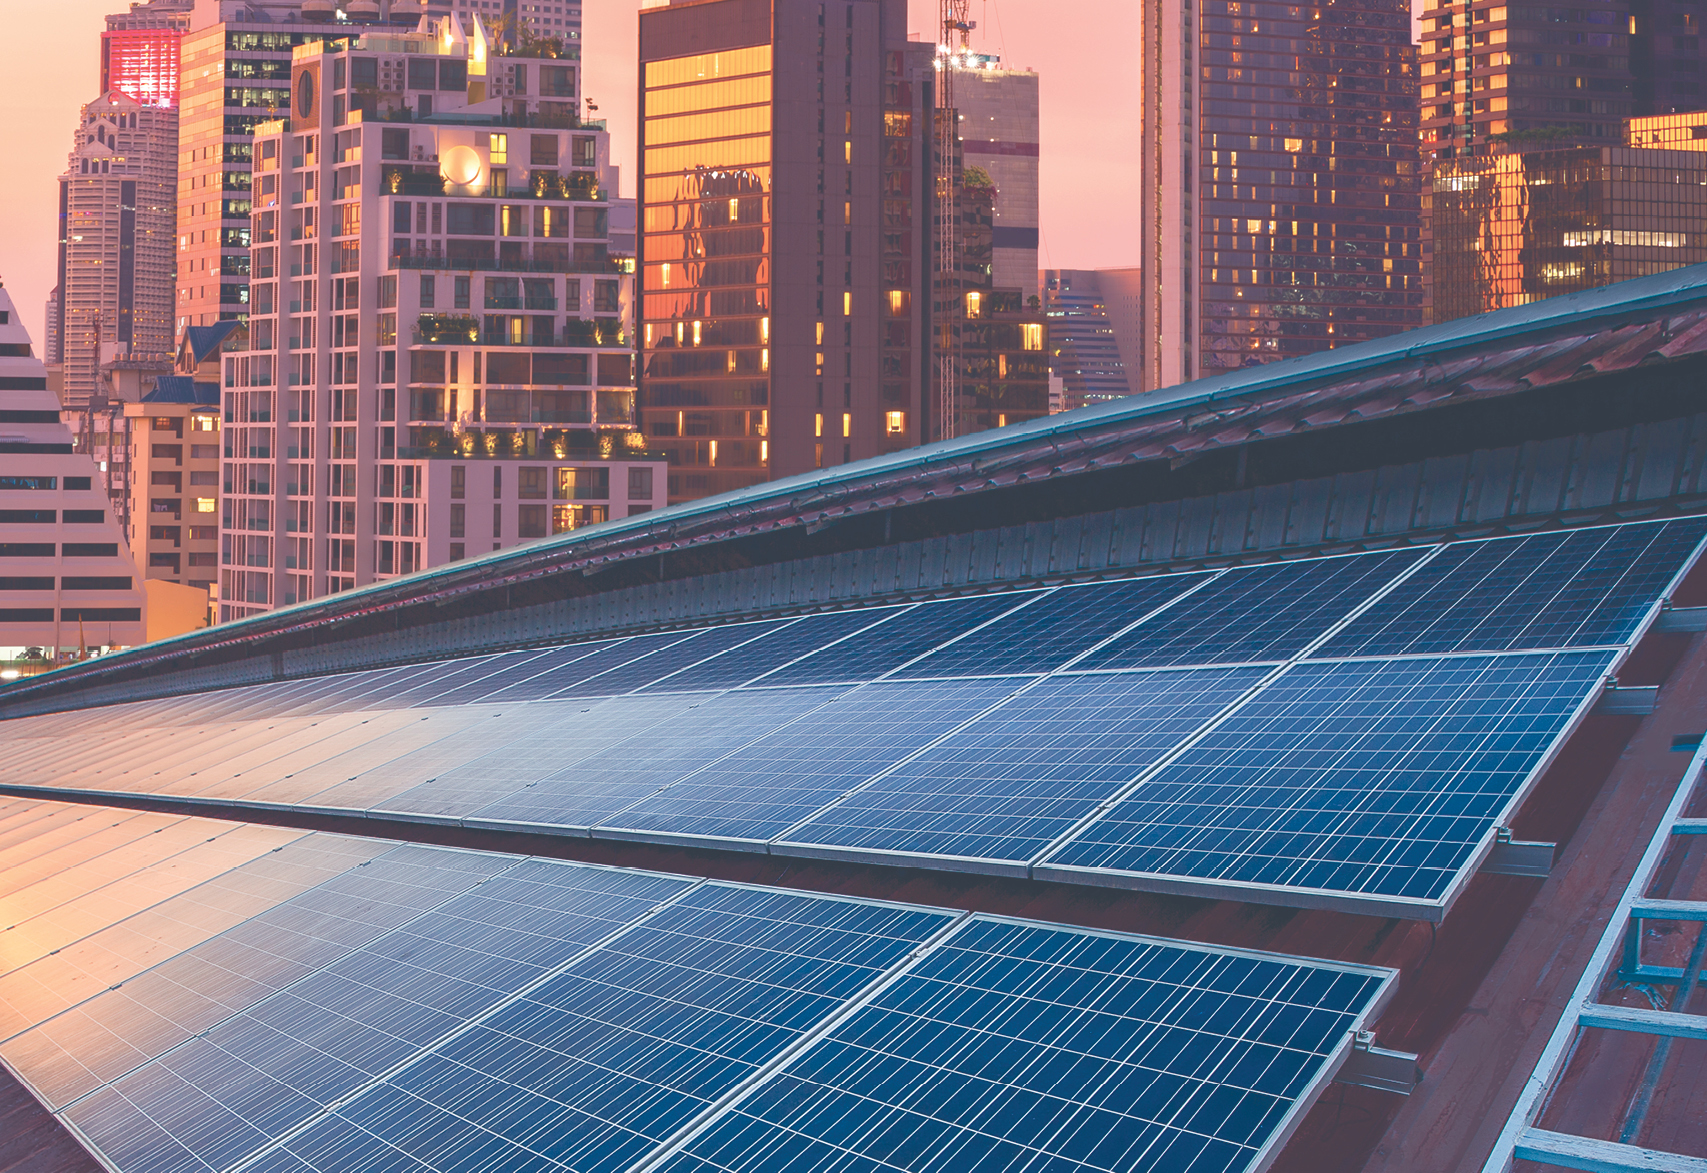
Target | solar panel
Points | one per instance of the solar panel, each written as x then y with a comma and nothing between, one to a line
569,680
761,790
1050,632
1015,1046
703,729
1376,779
598,1064
543,675
699,645
909,632
802,637
1000,790
1580,588
230,1091
1260,613
73,1052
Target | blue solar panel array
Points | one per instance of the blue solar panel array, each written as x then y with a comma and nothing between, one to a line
1182,1060
1125,732
539,1015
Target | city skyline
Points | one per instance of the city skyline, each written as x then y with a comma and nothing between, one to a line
1078,175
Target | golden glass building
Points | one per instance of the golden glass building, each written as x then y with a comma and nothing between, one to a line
1506,230
784,234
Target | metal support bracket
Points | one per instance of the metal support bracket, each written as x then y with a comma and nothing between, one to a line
1599,1156
1514,857
1367,1065
1681,619
1637,700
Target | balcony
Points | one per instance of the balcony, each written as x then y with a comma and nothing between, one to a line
448,264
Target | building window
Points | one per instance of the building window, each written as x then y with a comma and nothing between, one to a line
458,521
894,423
1030,335
206,504
530,521
639,483
530,485
458,480
500,149
847,424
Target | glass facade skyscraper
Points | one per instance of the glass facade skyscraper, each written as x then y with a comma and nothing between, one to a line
1519,227
784,236
1279,205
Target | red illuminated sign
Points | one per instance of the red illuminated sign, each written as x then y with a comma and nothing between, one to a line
141,64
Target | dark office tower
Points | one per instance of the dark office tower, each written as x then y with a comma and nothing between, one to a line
784,229
1498,77
1279,203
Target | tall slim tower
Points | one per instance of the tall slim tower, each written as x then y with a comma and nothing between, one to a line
784,245
117,204
999,132
1279,208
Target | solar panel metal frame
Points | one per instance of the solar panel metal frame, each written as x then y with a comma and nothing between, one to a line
1261,1161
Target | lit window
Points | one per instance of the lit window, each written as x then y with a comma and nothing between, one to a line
765,331
894,422
1030,335
821,329
666,275
818,425
734,210
900,303
205,504
847,425
847,212
973,303
847,151
847,303
1295,145
500,152
696,334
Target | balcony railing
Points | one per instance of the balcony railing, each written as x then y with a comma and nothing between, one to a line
449,264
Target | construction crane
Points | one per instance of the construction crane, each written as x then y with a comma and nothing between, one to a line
953,52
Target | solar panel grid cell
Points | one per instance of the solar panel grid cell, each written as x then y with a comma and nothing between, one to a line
697,646
1579,588
1363,777
908,633
744,663
591,676
595,1067
542,675
1015,1046
272,1067
1262,613
1005,786
698,730
769,785
1048,633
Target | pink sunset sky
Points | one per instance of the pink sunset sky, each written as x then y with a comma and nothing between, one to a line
1085,51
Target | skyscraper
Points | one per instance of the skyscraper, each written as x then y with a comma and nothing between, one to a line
1553,77
236,73
116,208
1084,344
999,133
784,242
440,358
70,582
1279,204
1516,227
139,51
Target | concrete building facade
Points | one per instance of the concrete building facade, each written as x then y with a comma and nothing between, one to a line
67,582
439,357
116,213
784,244
1279,206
